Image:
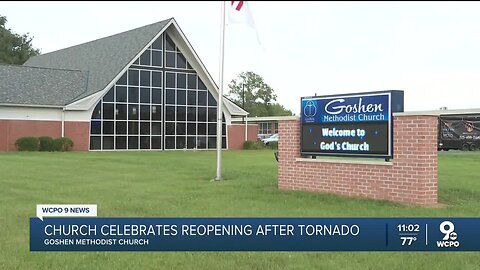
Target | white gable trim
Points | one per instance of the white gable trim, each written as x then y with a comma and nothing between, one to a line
177,35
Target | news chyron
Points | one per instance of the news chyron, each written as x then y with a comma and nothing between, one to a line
67,232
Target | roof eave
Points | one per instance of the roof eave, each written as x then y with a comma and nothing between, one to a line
31,105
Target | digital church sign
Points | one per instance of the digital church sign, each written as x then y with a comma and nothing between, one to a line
359,124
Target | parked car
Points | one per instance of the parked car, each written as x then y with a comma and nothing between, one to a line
261,137
273,138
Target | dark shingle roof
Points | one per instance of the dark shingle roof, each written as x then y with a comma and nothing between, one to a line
40,86
103,58
61,77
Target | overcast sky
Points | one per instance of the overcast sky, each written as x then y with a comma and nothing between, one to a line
429,49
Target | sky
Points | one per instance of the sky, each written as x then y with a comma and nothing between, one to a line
431,50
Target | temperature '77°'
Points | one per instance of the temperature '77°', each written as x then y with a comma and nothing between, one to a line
408,240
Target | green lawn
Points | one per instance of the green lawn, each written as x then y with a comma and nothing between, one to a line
177,184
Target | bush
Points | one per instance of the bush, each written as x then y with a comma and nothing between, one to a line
253,145
46,144
272,145
27,144
63,144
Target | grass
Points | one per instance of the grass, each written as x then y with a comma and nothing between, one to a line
177,184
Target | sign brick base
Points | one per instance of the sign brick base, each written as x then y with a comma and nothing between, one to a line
410,177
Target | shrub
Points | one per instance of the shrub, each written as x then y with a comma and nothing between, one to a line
272,145
248,144
46,144
27,144
253,145
63,144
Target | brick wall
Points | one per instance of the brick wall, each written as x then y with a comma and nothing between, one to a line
410,178
236,135
79,132
11,130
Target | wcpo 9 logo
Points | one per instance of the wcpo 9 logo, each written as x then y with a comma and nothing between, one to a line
310,110
450,236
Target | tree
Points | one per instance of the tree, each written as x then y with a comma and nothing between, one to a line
15,48
251,92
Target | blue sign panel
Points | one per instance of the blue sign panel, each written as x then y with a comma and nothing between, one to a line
349,125
254,234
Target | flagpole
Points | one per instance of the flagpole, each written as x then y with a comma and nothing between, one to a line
220,97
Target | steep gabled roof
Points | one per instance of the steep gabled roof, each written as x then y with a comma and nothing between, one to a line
23,85
69,75
103,58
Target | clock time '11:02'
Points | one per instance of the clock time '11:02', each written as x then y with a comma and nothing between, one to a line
408,227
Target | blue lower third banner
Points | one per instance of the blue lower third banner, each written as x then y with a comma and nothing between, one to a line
255,234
